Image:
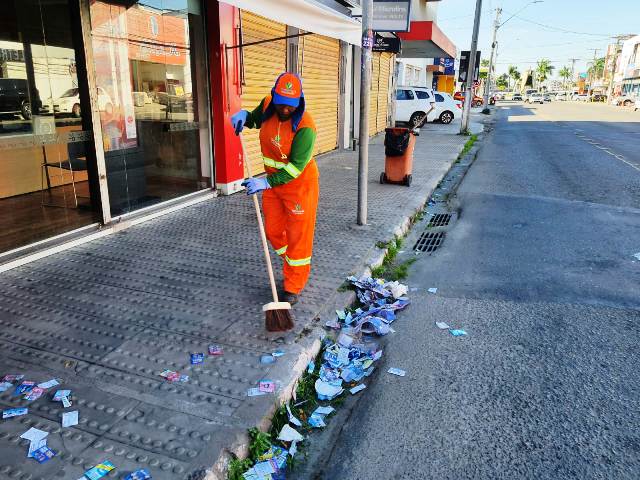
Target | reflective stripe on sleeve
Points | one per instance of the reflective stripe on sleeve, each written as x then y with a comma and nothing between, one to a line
280,251
292,170
298,262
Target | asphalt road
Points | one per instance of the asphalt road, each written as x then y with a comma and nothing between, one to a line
539,270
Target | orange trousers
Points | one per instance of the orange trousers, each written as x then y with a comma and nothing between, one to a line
289,221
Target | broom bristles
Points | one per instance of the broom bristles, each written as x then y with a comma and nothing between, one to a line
278,320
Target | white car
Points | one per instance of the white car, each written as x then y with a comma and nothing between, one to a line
581,97
69,102
413,103
535,98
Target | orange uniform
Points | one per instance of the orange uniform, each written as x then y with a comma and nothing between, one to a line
290,204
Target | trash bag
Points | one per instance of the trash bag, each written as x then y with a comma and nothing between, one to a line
396,141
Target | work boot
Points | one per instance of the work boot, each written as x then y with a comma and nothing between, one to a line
289,297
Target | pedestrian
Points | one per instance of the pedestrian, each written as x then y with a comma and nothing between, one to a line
291,186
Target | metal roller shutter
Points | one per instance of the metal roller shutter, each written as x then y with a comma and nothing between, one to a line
262,65
383,91
373,95
320,69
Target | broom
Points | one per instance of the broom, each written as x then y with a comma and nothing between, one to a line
278,317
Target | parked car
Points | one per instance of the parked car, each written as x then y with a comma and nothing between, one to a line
535,98
581,97
560,97
624,100
528,93
516,97
412,103
598,97
14,98
476,102
547,97
69,102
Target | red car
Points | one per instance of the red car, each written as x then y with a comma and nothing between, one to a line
476,102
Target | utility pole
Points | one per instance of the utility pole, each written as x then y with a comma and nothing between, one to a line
365,87
496,25
592,74
573,69
471,68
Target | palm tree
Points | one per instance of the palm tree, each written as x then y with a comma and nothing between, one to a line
543,69
502,81
597,68
484,63
565,74
514,73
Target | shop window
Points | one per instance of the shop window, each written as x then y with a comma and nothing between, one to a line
46,154
150,63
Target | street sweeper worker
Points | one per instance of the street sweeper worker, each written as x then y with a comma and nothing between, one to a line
291,186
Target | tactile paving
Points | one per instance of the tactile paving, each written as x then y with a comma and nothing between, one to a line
106,317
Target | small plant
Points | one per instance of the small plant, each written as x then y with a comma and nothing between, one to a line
400,272
467,146
378,272
237,468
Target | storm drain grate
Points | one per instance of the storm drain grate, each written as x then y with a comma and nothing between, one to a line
429,242
439,220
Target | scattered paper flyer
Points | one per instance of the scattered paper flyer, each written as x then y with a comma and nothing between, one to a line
24,387
70,419
324,410
35,446
288,434
316,421
267,386
357,388
34,434
457,333
215,350
311,366
66,403
255,392
197,358
34,394
432,290
442,326
60,394
4,386
278,353
43,454
50,384
12,378
99,470
292,418
397,371
267,359
142,474
14,412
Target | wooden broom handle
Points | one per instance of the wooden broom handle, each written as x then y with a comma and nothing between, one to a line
263,235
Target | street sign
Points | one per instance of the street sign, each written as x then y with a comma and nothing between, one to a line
464,66
385,44
391,15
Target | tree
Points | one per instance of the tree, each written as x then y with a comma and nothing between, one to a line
565,74
514,73
596,70
543,69
502,81
484,63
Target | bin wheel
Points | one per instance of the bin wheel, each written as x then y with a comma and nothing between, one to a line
383,178
407,180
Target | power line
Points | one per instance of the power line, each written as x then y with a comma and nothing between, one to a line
559,29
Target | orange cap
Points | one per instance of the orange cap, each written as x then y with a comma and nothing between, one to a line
287,90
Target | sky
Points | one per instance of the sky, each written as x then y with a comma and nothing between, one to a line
563,29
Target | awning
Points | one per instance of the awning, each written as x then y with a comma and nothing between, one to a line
306,15
425,40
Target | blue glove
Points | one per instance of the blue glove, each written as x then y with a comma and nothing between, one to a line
238,120
255,185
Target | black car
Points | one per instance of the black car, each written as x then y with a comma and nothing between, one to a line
14,97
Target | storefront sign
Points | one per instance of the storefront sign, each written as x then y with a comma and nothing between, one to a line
385,44
464,66
391,15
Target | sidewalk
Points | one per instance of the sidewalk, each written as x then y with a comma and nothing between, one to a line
107,317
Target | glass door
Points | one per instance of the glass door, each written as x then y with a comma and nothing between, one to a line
151,77
48,183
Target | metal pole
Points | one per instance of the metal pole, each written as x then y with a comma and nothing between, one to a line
496,25
365,87
471,70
